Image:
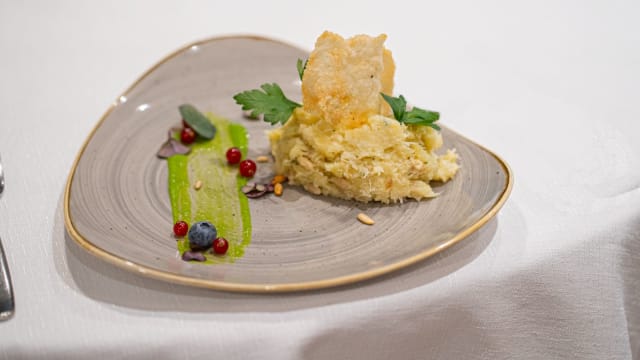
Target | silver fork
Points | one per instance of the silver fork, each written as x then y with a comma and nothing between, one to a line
7,304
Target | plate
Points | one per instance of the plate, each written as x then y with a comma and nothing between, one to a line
117,206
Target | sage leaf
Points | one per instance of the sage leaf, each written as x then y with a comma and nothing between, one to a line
197,121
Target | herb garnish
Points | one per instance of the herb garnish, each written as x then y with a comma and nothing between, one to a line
197,121
277,108
416,116
301,67
172,147
271,102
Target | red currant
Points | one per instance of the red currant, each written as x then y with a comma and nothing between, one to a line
247,168
234,155
187,136
180,228
220,246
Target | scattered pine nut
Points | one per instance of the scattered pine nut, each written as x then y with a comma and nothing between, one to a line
278,179
365,219
277,189
197,185
262,159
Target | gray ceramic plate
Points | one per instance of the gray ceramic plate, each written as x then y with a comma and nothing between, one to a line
117,205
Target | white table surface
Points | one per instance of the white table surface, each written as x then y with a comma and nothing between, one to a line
552,86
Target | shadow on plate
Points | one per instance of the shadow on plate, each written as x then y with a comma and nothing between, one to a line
109,284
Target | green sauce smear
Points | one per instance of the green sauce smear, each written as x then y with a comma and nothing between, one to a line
220,199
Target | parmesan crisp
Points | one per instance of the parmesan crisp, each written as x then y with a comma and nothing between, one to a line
344,78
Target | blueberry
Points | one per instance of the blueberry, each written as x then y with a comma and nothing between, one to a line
201,235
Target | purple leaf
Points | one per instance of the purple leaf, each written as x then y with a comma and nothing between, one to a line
172,147
248,188
193,255
166,150
255,194
179,148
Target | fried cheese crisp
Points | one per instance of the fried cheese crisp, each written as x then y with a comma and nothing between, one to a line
343,79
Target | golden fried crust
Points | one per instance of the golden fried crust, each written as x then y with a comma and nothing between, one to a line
344,78
387,77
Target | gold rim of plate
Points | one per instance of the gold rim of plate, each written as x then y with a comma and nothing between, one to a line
262,288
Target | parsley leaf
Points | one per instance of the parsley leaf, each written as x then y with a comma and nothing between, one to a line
416,116
271,102
301,67
398,106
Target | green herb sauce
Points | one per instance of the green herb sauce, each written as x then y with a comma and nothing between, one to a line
220,199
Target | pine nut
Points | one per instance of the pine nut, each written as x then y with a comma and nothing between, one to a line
365,219
197,185
262,159
278,179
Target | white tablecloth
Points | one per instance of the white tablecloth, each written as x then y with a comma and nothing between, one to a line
552,86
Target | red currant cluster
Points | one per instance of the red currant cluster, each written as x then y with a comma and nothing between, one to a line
247,167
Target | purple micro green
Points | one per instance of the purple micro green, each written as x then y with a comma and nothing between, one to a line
248,188
172,147
193,255
255,194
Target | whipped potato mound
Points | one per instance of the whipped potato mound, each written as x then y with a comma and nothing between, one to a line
344,141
